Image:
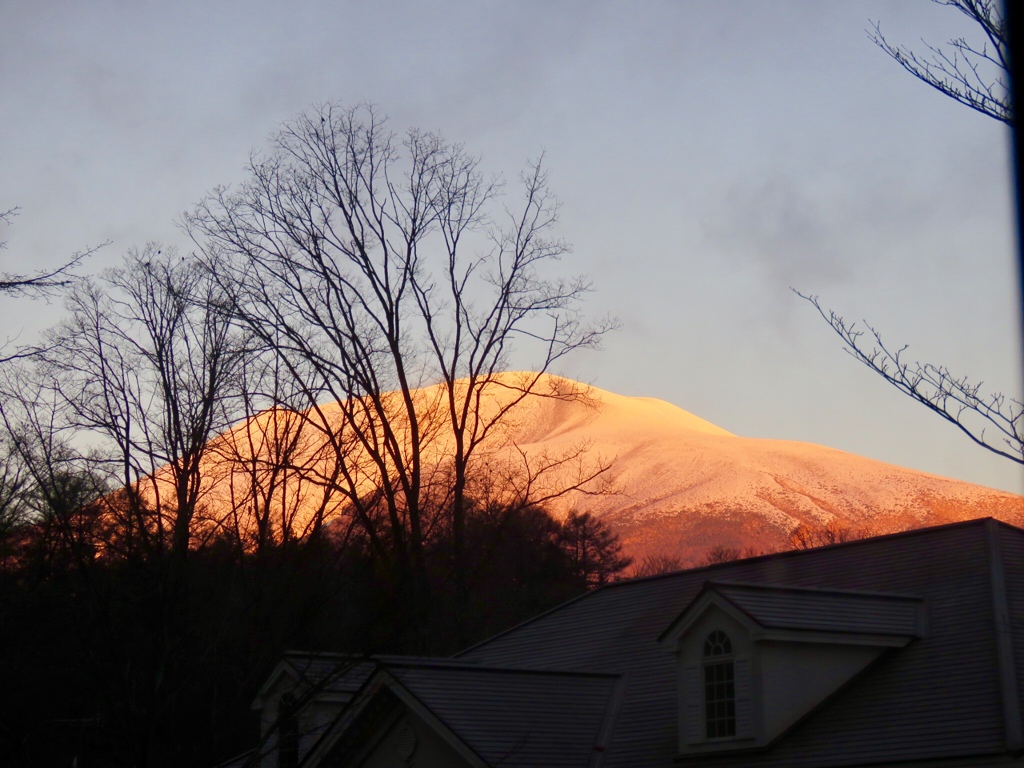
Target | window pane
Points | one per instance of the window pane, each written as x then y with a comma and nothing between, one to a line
717,644
719,700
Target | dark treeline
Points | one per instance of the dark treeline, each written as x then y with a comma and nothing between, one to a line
137,659
295,436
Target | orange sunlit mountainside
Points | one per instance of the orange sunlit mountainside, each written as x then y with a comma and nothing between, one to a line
669,482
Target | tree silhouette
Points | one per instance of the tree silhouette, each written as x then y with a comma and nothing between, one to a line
370,264
992,420
977,76
594,551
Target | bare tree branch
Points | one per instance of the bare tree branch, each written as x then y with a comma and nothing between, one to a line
976,76
991,420
44,282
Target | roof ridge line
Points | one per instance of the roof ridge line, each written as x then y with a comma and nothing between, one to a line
470,666
771,587
785,553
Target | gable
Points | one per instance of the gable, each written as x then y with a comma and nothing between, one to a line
283,678
800,614
315,688
410,741
392,730
487,716
775,679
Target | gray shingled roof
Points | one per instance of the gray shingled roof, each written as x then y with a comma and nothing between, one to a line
515,717
338,672
512,718
823,610
950,693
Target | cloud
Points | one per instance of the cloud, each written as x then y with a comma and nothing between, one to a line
782,228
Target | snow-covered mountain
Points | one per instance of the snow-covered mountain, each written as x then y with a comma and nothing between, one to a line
677,484
673,483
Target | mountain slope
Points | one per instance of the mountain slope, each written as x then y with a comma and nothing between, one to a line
674,483
678,484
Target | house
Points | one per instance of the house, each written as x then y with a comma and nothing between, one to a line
901,650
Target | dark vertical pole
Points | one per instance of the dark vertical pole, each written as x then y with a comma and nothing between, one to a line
1014,16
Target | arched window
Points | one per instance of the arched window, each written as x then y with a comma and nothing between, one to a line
719,674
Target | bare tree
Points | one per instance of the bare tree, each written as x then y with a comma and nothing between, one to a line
976,76
114,417
723,553
656,565
143,364
808,535
277,478
58,487
991,420
44,283
374,264
14,485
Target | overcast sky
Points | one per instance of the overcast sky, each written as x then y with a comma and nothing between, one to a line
710,155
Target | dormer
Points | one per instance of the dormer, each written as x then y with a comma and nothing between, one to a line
754,659
301,697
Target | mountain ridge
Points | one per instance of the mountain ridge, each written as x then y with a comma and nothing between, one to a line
670,483
680,483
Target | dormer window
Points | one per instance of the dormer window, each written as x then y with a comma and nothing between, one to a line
755,659
719,673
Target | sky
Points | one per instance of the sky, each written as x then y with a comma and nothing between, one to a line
710,156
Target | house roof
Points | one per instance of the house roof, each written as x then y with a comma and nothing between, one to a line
506,717
335,675
952,692
843,614
591,682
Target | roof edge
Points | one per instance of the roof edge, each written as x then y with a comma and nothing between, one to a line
711,595
976,521
528,621
763,587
